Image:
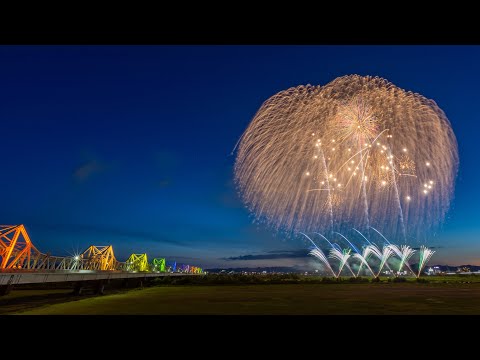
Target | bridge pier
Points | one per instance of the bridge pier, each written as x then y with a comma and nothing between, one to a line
99,287
148,281
5,289
124,283
78,288
127,283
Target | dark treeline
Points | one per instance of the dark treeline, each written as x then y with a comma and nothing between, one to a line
242,279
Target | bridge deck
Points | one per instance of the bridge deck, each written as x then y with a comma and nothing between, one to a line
19,277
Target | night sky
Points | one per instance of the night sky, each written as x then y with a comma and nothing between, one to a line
131,145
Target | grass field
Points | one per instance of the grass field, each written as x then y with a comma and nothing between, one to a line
366,298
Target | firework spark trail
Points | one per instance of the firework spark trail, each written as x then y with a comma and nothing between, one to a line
307,137
350,269
358,113
425,255
363,236
407,253
397,197
381,255
311,240
404,253
334,245
318,253
379,233
321,256
353,246
366,252
364,194
363,261
386,253
342,257
330,204
323,237
397,252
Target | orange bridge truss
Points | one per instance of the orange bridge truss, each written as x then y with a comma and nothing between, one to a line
18,252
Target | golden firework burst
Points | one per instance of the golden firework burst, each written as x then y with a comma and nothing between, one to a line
357,132
405,166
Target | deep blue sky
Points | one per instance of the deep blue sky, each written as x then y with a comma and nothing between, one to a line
131,145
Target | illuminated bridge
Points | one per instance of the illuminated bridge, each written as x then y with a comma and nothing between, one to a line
22,263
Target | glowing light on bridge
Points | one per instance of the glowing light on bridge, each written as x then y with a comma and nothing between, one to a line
137,262
158,264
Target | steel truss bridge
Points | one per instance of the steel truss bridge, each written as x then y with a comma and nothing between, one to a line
18,252
22,263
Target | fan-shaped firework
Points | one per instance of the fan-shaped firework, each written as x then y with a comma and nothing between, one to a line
359,151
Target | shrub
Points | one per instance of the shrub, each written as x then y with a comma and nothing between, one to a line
357,279
327,280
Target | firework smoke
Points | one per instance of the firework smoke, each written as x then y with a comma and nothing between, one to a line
357,152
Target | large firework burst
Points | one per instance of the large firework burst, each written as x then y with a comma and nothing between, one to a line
359,151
